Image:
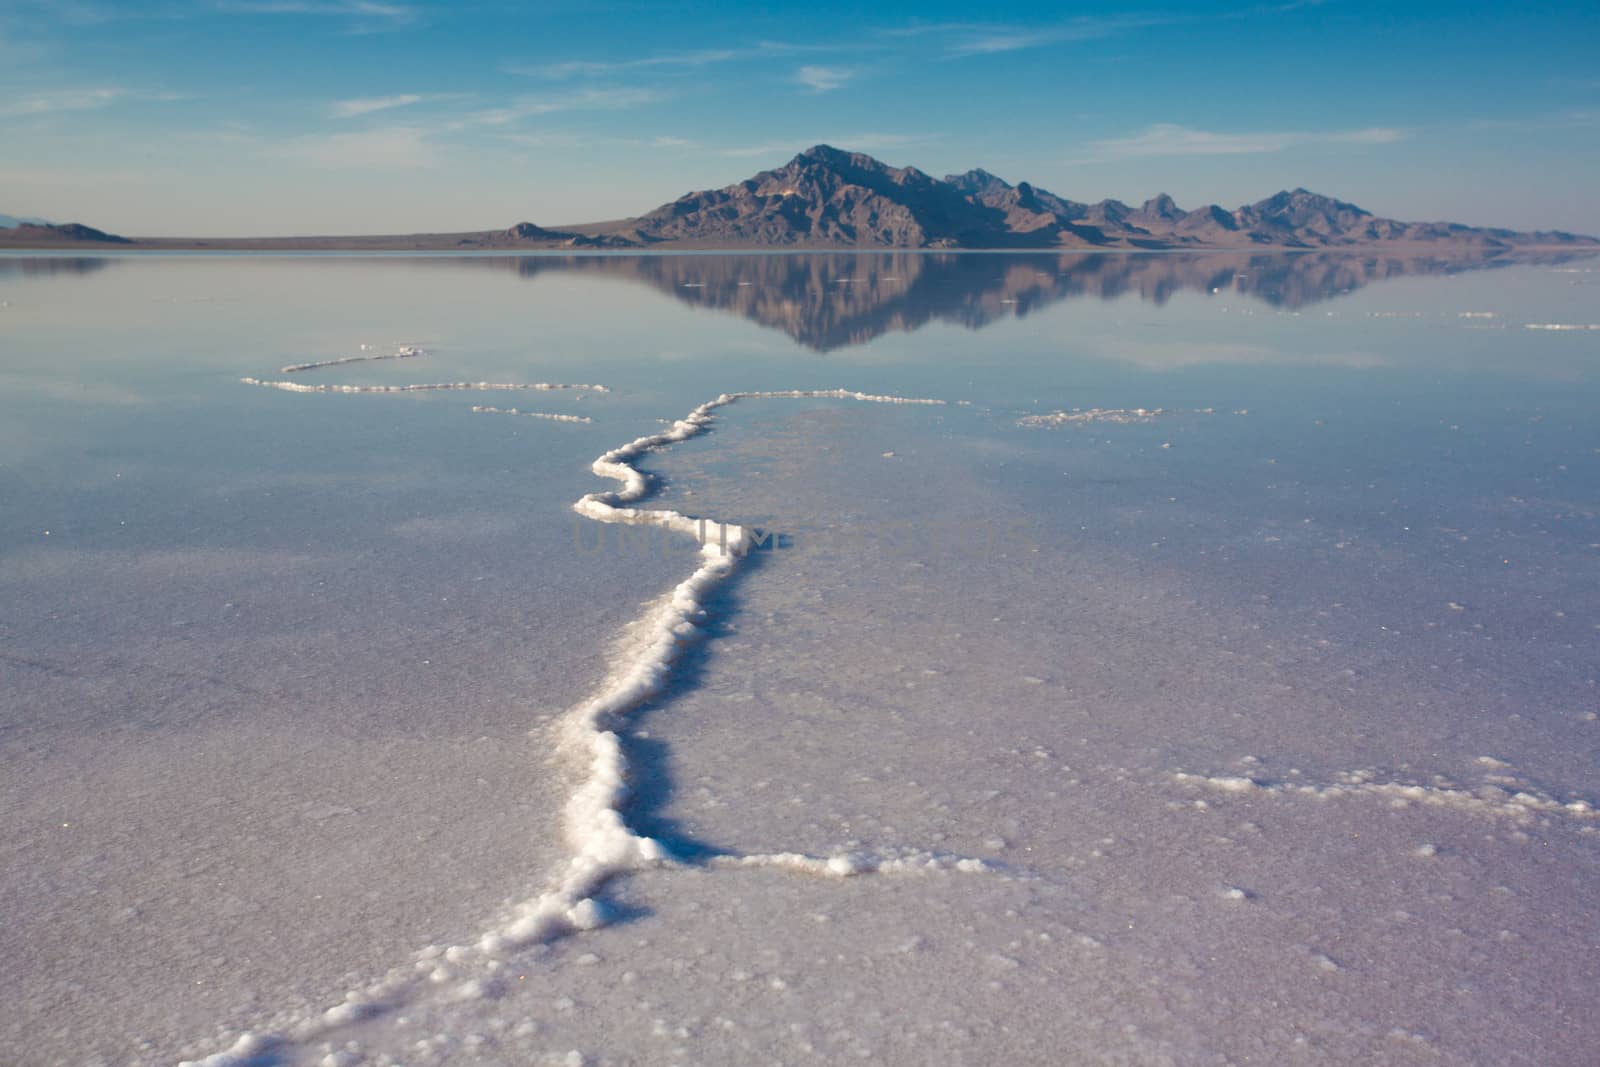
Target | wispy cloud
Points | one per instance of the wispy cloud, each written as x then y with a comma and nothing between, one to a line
571,139
1087,28
366,105
404,147
666,61
53,101
980,38
585,68
369,8
581,100
363,15
824,79
1166,139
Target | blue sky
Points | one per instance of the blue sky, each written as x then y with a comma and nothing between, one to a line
211,117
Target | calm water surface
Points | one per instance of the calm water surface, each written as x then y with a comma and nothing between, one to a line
1241,708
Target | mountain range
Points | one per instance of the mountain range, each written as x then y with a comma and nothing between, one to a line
829,198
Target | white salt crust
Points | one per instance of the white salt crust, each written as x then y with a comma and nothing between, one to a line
1113,416
1118,416
401,352
602,844
302,387
1499,796
479,409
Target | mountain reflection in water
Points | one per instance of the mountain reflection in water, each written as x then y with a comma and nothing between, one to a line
828,301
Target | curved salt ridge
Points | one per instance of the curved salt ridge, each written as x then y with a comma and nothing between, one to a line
302,387
479,409
1499,797
850,864
603,844
402,352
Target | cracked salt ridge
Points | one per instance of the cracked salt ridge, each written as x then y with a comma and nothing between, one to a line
603,843
402,352
479,409
301,387
1500,796
1119,416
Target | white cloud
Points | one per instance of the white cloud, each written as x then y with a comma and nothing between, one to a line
52,101
583,68
366,105
403,147
368,9
976,38
582,100
824,79
1166,139
591,68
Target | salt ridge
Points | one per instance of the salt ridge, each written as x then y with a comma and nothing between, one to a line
302,387
402,352
603,845
1500,795
479,409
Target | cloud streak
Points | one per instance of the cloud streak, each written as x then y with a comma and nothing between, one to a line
372,9
390,147
1166,139
666,61
824,79
982,39
582,100
52,101
366,105
584,68
55,101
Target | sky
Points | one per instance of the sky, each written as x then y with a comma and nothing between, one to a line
275,117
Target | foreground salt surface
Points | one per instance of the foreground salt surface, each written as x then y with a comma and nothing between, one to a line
1173,770
1185,915
603,844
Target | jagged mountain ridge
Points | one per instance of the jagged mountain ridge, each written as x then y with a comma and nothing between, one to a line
832,198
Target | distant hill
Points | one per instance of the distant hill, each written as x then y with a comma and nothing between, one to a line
8,222
50,235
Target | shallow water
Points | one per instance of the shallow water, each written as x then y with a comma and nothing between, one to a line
1247,710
